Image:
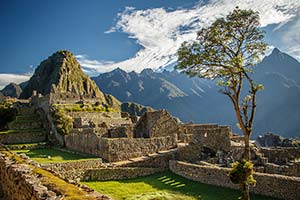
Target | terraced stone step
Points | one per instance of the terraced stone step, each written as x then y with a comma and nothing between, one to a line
27,118
14,131
37,145
17,125
22,136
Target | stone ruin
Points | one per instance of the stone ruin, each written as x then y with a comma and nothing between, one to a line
132,146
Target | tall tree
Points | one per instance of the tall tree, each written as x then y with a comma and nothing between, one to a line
227,51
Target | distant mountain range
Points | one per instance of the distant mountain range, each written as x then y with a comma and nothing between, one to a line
191,99
198,100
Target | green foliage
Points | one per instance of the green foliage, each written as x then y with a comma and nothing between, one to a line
242,173
62,121
7,114
225,48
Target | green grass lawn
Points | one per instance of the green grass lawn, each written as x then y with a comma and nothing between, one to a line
165,186
42,155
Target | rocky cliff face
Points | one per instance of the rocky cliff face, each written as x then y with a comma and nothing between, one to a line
64,72
12,90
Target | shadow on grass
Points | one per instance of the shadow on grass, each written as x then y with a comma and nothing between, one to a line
169,181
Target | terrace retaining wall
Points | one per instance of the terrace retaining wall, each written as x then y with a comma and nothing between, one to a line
23,137
118,173
281,155
277,186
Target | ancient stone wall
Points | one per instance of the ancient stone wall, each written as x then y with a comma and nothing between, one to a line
125,148
71,98
277,186
206,139
21,180
73,170
23,137
214,138
44,103
17,183
125,130
118,173
117,149
155,124
85,142
155,160
281,155
112,119
290,169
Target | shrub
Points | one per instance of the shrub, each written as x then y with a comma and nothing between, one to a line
242,173
62,121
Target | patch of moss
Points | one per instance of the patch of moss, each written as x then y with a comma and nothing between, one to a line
71,192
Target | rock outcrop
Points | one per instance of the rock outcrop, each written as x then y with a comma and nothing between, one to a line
273,140
12,90
134,108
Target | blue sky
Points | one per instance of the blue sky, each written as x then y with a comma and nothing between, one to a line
132,35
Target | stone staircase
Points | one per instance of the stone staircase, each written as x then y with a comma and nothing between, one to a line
26,128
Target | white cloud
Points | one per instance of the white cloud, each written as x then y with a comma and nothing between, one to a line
5,79
93,67
160,31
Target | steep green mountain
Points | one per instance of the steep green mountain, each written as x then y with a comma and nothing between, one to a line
12,90
62,70
198,100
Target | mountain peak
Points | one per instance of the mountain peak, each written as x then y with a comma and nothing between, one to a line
147,71
62,70
275,52
12,90
118,69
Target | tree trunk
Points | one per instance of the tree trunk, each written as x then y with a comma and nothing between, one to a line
247,146
245,190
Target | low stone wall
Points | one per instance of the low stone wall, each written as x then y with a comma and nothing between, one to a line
281,155
21,180
75,165
160,160
118,173
291,169
119,149
276,186
40,145
22,137
110,118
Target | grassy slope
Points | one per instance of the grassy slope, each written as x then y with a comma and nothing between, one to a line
165,182
41,155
